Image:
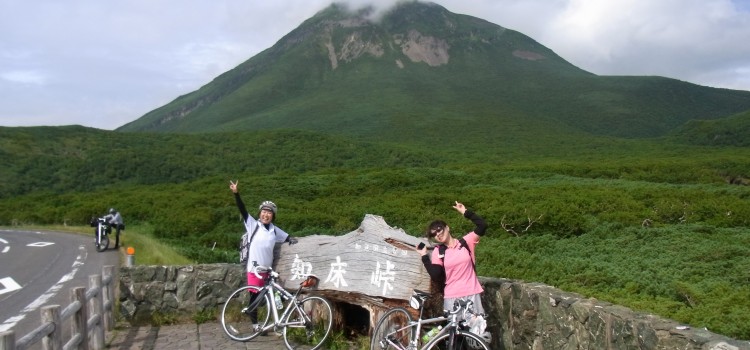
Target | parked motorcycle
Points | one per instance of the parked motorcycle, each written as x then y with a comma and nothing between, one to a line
101,233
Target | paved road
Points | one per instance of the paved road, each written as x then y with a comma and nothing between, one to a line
207,336
39,269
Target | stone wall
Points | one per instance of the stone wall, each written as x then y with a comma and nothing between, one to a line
536,316
521,315
175,290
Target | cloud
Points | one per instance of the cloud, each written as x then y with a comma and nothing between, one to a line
24,77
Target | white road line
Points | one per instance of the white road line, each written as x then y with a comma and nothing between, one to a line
9,323
39,244
9,285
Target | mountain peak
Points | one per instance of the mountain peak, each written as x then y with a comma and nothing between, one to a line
392,72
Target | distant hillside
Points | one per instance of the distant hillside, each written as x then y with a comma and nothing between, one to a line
423,73
731,131
75,158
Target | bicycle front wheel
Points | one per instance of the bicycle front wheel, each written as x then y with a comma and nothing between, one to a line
308,324
241,319
393,330
462,341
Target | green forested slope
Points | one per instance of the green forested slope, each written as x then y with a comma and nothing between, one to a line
492,76
74,158
588,198
730,131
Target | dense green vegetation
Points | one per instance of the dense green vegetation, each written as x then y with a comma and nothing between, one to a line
589,199
731,131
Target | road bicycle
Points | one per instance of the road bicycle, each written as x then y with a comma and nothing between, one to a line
304,321
397,330
101,233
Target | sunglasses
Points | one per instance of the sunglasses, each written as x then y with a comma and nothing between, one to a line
436,231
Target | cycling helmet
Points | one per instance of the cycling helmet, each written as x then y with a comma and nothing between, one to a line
112,210
268,205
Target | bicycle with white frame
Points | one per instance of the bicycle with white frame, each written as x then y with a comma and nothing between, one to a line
304,321
397,330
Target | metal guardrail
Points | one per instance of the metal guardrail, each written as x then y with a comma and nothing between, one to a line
90,312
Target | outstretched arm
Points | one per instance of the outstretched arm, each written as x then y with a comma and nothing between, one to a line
240,204
481,225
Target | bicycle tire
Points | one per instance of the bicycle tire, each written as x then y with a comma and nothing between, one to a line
103,243
463,341
392,328
310,330
236,319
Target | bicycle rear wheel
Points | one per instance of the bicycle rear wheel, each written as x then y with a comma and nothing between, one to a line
463,341
243,321
393,330
309,324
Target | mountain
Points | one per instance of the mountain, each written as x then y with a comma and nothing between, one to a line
422,73
730,131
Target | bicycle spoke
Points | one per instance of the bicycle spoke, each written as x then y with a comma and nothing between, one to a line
308,326
241,322
462,340
392,330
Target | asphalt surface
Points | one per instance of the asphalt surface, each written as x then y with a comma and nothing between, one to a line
39,269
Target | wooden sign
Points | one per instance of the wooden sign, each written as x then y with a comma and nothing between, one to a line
375,260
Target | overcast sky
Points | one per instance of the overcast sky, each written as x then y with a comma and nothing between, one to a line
105,63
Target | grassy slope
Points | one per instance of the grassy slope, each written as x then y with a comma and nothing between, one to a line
83,159
591,194
731,131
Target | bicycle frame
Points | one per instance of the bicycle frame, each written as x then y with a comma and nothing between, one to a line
290,304
451,328
418,323
304,320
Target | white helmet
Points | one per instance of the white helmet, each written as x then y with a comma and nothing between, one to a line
268,205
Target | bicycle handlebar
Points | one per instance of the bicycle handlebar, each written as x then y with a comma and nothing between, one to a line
260,268
460,305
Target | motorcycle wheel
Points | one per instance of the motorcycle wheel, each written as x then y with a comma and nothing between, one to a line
103,244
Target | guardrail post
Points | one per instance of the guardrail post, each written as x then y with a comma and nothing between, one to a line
53,341
7,340
78,324
130,257
108,295
95,310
